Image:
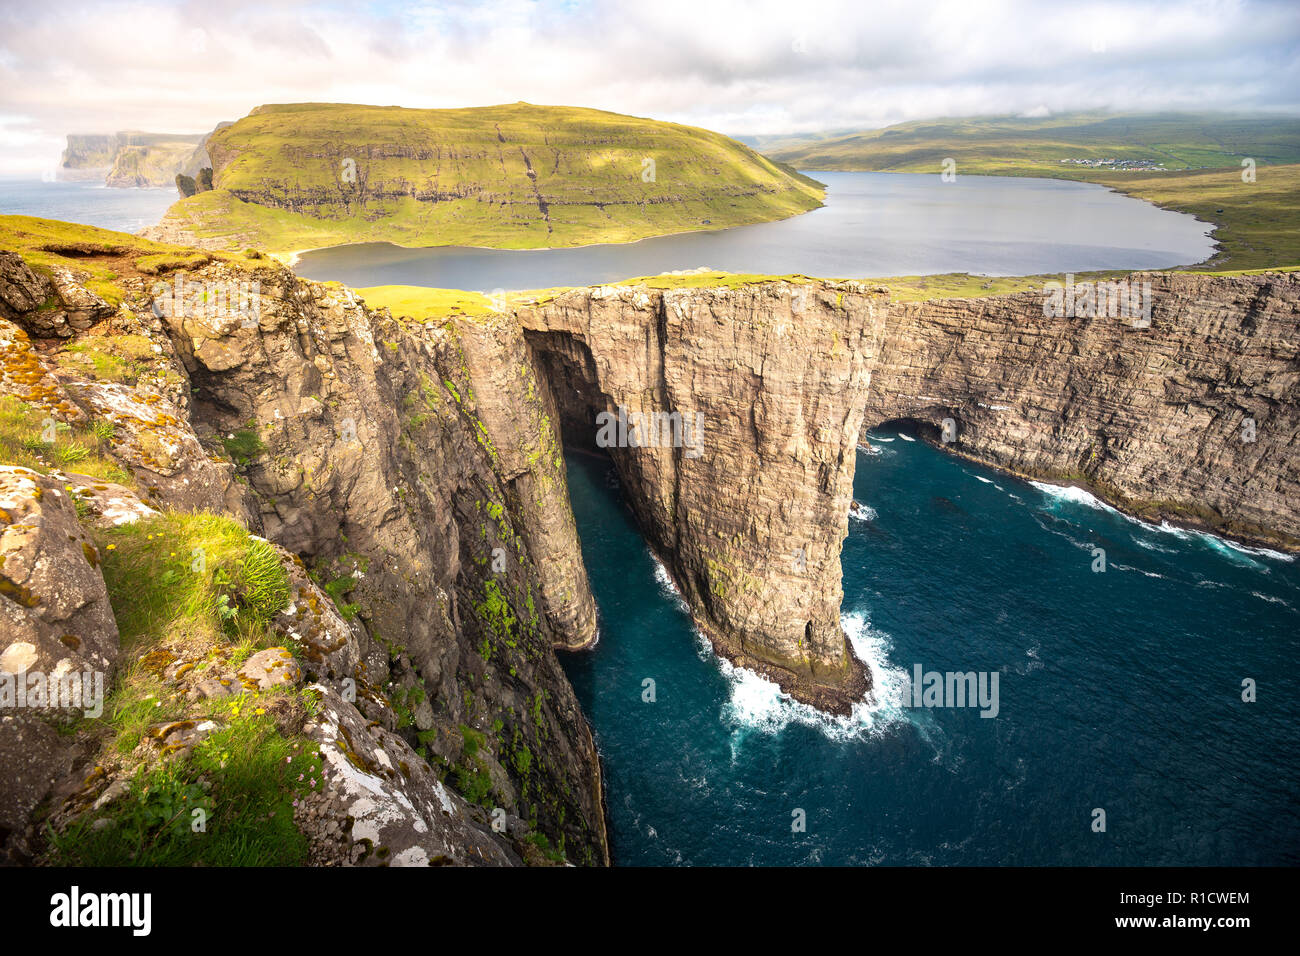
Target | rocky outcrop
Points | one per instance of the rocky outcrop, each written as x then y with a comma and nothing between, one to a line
747,503
417,470
58,644
377,803
1192,417
419,463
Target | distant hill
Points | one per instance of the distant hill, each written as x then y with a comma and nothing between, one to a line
1037,147
132,158
307,175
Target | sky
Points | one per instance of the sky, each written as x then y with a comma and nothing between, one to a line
745,67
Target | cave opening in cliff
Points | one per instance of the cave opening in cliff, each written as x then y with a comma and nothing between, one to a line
569,377
914,427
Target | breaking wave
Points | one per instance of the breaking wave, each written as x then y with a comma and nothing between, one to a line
756,704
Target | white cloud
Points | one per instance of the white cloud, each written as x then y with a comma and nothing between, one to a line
757,67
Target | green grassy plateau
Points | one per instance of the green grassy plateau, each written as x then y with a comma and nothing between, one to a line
1201,155
298,176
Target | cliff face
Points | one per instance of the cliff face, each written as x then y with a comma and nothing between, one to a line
414,460
87,156
409,478
748,504
132,159
414,469
1194,419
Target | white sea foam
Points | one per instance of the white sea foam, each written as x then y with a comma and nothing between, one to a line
1222,545
1125,567
906,437
1247,549
987,481
1152,546
1270,598
863,513
666,585
878,438
1076,495
758,704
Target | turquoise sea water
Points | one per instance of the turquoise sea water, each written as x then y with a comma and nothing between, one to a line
1118,690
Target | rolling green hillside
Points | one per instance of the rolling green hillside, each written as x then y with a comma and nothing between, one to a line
1258,223
299,176
1015,146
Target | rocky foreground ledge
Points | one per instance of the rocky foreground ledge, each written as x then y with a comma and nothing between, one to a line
426,565
389,556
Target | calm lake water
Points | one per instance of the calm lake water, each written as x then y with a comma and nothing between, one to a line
1118,690
873,224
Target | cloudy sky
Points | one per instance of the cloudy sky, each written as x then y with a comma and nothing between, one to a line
742,67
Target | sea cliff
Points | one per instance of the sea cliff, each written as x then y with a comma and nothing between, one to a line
390,563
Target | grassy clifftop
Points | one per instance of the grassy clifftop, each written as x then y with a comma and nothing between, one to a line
299,176
1185,162
1011,146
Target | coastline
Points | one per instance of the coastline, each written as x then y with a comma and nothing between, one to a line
1175,521
291,257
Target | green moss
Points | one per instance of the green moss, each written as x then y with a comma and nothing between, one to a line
244,446
497,614
336,589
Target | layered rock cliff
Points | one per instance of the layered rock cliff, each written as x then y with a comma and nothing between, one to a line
133,159
422,558
1192,417
733,417
416,472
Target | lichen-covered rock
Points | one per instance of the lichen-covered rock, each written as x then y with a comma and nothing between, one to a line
268,668
79,307
155,441
55,615
22,289
104,504
383,805
58,644
54,305
33,756
27,377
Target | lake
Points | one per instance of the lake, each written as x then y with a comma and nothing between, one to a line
873,224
